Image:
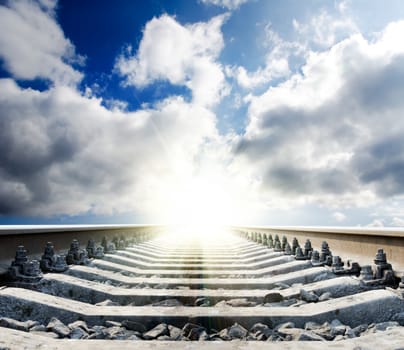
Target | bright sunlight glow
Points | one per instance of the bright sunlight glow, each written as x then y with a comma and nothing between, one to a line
205,198
199,205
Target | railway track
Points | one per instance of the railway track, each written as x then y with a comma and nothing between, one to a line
250,289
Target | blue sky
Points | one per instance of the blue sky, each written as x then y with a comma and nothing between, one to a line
216,111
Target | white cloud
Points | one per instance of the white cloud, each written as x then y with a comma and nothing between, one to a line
65,153
338,216
399,222
229,4
332,134
183,55
320,32
376,223
276,62
33,45
325,30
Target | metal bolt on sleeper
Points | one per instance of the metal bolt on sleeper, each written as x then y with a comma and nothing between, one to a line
284,242
295,245
308,249
315,258
299,254
76,255
23,271
270,242
51,262
288,250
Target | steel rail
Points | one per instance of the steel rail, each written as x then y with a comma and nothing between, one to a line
34,237
358,244
355,243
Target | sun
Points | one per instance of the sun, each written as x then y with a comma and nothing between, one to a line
201,201
198,205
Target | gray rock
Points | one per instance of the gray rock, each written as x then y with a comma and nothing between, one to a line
324,331
202,302
399,317
382,326
78,333
38,328
96,329
159,330
97,332
325,296
273,297
336,322
309,336
112,324
134,326
290,333
164,337
205,304
98,335
79,324
58,327
261,331
338,330
259,327
287,302
339,338
215,337
168,303
13,324
241,302
237,331
182,287
370,329
221,303
196,333
311,325
349,333
275,337
224,334
203,336
192,331
174,332
360,329
310,297
133,337
285,325
118,333
31,323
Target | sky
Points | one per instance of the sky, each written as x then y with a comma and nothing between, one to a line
255,112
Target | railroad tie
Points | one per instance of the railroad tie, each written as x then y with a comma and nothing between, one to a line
246,290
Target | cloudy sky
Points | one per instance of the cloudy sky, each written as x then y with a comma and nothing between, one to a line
225,111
